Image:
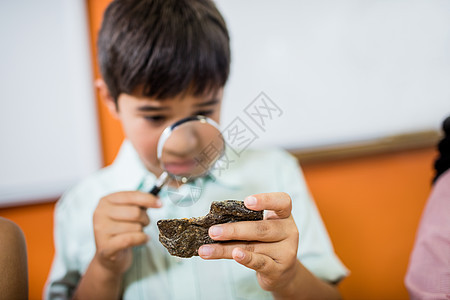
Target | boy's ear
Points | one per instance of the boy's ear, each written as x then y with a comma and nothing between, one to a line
106,97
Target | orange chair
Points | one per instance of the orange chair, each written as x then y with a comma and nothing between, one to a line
13,261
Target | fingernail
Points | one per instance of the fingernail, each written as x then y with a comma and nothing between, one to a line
205,251
158,202
215,231
250,201
239,254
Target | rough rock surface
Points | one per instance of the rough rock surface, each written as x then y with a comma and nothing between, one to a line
183,237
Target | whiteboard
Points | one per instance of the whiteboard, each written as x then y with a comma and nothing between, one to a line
340,71
48,123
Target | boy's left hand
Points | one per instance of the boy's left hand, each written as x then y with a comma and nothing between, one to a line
272,244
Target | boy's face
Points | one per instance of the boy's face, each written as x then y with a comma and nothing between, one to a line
144,119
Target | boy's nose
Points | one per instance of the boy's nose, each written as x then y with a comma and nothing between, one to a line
183,142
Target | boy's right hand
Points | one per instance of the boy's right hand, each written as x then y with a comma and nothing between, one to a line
119,220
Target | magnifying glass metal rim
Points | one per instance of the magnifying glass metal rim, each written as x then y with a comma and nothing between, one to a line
164,177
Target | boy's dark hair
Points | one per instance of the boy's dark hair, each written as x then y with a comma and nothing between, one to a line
162,48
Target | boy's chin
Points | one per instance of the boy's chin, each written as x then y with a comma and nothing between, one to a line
155,170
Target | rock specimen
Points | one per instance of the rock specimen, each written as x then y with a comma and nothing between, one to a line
183,237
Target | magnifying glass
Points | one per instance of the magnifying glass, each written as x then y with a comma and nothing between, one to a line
187,150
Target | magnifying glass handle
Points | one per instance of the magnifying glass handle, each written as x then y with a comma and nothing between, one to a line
160,182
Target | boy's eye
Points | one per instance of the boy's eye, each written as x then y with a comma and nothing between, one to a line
159,119
205,113
155,119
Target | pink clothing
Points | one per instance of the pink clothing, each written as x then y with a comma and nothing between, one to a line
428,275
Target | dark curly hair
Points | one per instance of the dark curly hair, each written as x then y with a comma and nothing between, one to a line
442,164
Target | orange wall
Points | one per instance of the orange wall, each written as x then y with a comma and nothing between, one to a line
371,207
111,131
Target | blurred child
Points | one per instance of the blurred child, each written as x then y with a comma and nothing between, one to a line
428,275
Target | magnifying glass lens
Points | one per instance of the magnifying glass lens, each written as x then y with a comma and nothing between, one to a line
188,149
191,150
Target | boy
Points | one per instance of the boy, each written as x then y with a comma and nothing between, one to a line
163,60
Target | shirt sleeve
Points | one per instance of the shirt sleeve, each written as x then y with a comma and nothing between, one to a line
315,250
64,276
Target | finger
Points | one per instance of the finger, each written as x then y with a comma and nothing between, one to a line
128,213
123,227
258,262
263,231
280,203
225,250
137,198
123,241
